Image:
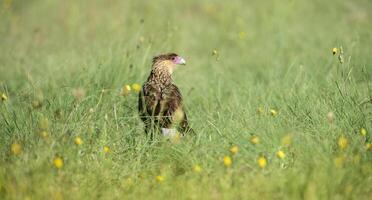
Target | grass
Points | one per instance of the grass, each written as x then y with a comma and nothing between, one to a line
63,64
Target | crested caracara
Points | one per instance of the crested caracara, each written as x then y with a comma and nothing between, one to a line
160,103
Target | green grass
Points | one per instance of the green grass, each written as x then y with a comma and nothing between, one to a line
271,54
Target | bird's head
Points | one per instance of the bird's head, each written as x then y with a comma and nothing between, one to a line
167,62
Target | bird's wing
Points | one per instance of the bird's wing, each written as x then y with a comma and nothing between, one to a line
148,101
173,100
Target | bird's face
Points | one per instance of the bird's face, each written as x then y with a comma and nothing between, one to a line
168,61
178,60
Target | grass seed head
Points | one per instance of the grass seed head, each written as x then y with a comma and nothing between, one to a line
341,56
330,117
334,51
363,132
3,97
125,90
273,112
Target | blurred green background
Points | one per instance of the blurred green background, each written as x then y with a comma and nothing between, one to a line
63,64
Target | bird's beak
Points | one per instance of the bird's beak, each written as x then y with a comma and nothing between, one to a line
181,61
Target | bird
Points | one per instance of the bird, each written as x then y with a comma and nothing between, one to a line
160,103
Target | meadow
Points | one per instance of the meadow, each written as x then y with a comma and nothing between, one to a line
279,94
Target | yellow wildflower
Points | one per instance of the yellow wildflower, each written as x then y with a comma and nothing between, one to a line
3,96
368,146
363,132
78,141
255,140
242,35
234,149
197,168
287,140
159,178
36,104
342,142
339,161
44,134
262,162
136,87
125,90
280,154
334,51
273,112
106,149
227,161
214,52
44,124
58,162
16,149
260,110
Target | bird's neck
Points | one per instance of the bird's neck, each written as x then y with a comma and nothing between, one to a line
160,75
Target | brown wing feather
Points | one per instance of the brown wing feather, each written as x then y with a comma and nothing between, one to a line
172,105
148,102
